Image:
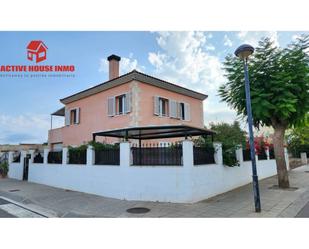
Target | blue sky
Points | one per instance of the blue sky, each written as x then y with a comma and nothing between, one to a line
191,59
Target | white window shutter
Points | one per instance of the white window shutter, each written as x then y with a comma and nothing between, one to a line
111,106
156,105
187,112
77,115
128,100
66,116
170,107
173,108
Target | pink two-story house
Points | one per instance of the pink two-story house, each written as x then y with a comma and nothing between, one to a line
130,100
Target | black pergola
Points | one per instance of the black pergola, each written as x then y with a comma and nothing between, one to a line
155,132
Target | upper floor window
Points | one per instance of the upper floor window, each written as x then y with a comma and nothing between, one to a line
118,105
163,107
184,111
72,116
171,108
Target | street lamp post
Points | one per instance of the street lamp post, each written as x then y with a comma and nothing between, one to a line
243,52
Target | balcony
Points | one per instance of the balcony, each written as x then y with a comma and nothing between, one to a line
55,135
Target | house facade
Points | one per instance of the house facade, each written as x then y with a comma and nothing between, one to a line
130,100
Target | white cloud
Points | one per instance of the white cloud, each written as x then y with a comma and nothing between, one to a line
210,47
218,116
253,37
26,128
227,41
295,37
209,35
156,59
127,64
185,60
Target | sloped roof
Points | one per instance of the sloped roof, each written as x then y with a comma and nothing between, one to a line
134,75
35,45
60,112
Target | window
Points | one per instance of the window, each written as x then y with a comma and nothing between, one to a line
72,116
182,111
163,107
120,104
42,54
171,108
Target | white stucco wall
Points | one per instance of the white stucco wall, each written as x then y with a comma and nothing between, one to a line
210,180
150,183
100,180
16,171
179,184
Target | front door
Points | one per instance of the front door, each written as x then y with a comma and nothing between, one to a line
26,167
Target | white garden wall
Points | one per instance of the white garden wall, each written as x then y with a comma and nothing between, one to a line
180,184
213,179
16,171
152,183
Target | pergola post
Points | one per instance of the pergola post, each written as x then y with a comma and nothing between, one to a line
126,136
140,150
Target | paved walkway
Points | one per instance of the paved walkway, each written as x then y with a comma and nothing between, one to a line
54,202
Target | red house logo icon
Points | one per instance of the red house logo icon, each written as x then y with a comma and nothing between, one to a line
36,51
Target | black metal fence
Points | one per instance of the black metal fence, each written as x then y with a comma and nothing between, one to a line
271,153
4,157
262,155
77,156
153,154
107,156
54,157
246,154
38,158
16,157
296,151
203,155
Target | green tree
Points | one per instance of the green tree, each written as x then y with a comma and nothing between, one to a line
231,136
298,139
279,88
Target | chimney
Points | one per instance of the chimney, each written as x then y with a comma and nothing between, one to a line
113,66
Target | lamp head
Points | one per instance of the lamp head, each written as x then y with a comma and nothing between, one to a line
244,51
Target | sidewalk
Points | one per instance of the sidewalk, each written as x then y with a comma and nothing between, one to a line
236,203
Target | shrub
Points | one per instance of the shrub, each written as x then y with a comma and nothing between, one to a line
4,169
97,146
229,155
231,136
77,155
